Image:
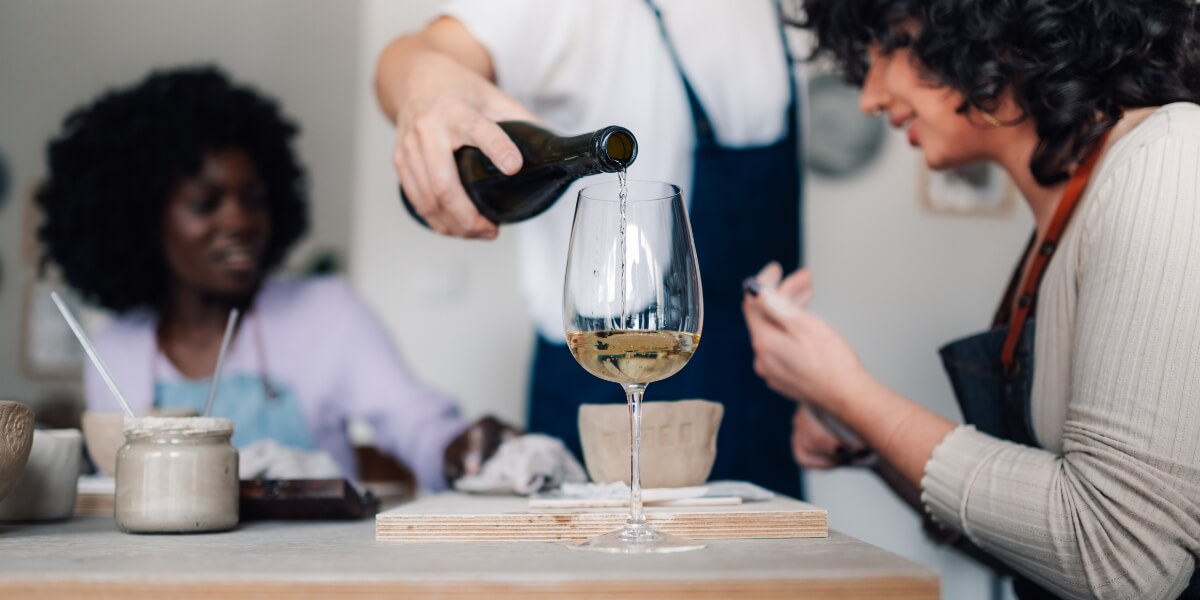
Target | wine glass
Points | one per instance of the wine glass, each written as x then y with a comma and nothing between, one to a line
632,311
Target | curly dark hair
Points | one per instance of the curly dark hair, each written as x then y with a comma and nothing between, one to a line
116,159
1074,65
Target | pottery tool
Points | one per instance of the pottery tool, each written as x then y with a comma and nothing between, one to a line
91,351
216,376
616,495
544,502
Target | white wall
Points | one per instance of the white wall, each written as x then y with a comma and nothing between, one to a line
56,54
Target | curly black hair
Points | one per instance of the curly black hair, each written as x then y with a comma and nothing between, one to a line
116,159
1074,65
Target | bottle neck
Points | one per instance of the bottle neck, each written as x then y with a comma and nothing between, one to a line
606,150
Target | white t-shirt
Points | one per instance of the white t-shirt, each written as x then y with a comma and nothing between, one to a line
583,64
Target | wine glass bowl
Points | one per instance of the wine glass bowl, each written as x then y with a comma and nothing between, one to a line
633,312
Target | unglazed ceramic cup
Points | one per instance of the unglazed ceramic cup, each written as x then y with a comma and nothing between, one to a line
16,439
679,442
46,489
104,434
177,475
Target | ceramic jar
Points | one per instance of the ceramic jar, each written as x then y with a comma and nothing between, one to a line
177,475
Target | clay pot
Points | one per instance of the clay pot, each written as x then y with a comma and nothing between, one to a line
46,490
16,439
679,442
104,434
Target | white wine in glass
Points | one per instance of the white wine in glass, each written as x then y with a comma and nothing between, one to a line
632,356
632,311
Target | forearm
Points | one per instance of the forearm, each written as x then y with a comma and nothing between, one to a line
901,431
444,44
393,72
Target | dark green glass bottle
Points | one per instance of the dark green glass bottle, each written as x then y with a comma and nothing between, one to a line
551,163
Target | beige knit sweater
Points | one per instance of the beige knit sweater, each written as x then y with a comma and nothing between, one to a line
1109,506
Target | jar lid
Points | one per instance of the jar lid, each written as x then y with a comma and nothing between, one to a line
178,425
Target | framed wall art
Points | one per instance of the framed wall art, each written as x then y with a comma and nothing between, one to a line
979,190
49,351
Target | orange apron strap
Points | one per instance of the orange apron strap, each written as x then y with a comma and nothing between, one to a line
1045,251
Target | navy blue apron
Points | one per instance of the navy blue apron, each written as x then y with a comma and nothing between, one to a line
745,212
992,372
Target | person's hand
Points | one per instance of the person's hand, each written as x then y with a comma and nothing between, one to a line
450,107
795,352
466,453
814,446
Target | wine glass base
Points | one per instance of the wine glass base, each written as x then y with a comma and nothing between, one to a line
638,540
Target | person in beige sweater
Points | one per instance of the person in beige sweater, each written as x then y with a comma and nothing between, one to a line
1079,465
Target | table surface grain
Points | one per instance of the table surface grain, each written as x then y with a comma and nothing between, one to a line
89,557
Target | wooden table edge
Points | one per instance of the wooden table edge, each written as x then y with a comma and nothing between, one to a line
890,587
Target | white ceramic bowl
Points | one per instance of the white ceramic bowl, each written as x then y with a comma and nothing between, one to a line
46,490
679,442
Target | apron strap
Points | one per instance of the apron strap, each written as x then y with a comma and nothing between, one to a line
1004,312
1062,214
260,347
700,119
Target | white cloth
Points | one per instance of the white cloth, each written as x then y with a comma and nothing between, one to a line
267,459
525,465
1110,505
584,64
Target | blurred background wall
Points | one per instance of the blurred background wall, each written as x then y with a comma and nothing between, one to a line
57,54
898,281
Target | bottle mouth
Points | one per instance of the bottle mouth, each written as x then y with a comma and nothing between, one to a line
618,145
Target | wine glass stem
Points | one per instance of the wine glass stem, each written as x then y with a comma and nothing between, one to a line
633,395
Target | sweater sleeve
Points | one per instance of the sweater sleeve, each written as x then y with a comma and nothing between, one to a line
409,419
1117,513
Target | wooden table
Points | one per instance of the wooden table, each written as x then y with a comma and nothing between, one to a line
88,557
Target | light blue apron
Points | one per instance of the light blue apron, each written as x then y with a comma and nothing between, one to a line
261,408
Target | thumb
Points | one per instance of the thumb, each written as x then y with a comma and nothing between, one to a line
779,307
799,283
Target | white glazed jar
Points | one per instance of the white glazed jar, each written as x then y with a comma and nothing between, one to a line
177,475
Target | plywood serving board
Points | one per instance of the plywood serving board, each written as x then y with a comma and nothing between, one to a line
455,517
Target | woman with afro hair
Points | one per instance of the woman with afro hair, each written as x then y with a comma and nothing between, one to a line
1079,465
170,202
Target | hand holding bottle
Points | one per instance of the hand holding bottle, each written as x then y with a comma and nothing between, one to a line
436,85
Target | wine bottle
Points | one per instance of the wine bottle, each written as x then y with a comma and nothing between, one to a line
551,163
